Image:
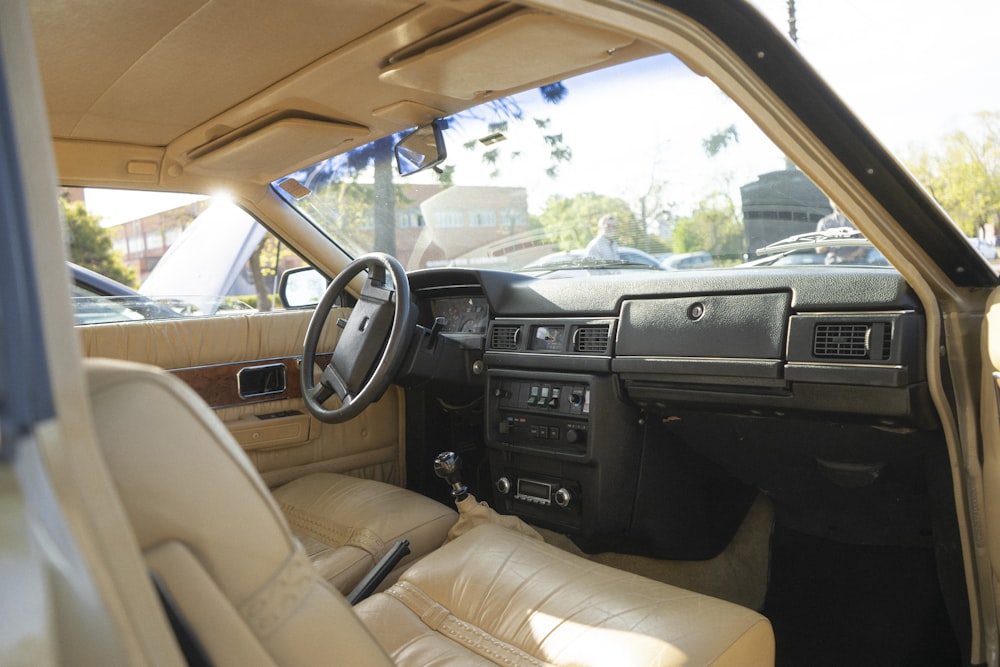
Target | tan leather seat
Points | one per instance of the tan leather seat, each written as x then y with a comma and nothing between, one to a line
347,524
495,596
217,540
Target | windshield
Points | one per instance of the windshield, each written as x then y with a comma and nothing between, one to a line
641,167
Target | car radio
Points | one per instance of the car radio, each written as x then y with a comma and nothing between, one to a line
539,491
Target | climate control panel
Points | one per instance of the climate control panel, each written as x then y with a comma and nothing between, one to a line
564,450
537,413
541,430
561,398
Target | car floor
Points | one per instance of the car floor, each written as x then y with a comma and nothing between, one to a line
833,603
830,603
738,574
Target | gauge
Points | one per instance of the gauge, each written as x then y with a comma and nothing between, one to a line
549,338
462,314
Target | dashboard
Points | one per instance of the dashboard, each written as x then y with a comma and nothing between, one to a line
585,385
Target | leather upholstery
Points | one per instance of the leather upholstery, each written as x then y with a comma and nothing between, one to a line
210,529
200,341
497,596
207,525
346,524
369,446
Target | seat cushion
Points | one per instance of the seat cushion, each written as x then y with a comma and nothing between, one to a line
211,531
493,596
347,524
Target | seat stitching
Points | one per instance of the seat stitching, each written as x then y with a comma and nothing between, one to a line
329,532
273,602
440,619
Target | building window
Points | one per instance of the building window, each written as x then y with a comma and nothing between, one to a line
171,234
449,219
154,240
482,219
135,245
409,218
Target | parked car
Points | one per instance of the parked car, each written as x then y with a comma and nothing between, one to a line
987,249
567,263
98,299
749,465
688,260
829,247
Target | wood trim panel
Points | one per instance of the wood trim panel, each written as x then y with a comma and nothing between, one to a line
217,383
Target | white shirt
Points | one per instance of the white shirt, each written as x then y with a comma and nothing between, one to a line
603,248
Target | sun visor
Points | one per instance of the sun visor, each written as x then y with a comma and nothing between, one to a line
519,50
275,149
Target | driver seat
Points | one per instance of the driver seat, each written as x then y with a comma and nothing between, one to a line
347,524
229,570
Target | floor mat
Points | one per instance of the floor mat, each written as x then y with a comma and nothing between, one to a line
834,604
738,574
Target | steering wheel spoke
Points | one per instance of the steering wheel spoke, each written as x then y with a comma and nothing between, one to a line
331,383
372,343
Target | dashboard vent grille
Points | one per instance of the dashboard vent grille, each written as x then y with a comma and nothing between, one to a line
504,337
592,339
871,340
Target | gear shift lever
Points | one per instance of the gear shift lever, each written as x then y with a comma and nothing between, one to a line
448,466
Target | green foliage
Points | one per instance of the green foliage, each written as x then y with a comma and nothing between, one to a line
572,222
713,227
964,174
91,246
495,156
714,144
653,245
238,302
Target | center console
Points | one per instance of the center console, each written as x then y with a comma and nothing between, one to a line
561,450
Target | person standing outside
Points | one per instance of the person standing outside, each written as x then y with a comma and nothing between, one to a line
604,245
841,255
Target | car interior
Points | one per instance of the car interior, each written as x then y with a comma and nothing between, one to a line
464,465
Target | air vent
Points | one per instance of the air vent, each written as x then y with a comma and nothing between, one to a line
592,339
504,337
868,340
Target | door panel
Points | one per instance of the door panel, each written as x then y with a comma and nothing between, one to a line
269,420
990,425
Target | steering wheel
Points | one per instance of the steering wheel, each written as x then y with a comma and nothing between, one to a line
371,346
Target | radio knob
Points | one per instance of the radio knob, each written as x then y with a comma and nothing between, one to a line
571,435
503,485
563,497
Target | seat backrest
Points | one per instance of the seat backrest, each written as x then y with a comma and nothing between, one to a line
210,530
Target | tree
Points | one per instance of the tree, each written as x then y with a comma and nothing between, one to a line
265,263
714,144
358,207
712,227
964,175
572,222
90,245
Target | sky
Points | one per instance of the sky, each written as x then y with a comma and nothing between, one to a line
912,70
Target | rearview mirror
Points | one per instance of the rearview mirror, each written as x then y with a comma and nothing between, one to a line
421,149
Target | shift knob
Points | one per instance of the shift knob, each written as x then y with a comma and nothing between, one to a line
448,467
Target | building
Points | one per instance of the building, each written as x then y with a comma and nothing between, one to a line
779,204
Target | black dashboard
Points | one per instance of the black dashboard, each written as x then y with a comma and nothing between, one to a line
753,339
581,378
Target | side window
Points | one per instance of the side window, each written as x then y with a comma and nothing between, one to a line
138,255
